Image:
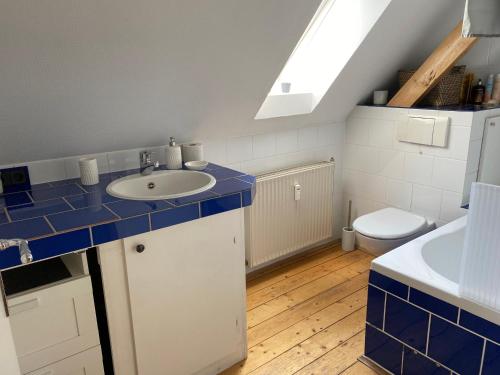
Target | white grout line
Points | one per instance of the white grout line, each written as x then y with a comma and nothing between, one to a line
408,346
6,211
91,237
402,360
50,224
482,358
428,335
65,200
438,316
385,308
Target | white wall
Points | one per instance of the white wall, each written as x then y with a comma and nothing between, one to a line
380,171
79,77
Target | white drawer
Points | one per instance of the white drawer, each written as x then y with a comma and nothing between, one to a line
88,362
53,323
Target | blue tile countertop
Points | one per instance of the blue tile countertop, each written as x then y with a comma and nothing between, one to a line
64,216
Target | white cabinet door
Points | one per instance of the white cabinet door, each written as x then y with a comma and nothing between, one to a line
187,294
8,356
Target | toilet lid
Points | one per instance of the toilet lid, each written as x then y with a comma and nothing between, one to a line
389,223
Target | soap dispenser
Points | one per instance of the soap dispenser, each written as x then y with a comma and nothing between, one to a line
173,155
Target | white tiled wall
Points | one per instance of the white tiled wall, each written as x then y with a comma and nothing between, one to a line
380,171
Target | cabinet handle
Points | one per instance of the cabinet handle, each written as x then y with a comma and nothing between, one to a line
140,248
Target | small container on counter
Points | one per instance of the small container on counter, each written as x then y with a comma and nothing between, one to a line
173,155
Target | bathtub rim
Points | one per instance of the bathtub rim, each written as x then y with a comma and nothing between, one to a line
391,265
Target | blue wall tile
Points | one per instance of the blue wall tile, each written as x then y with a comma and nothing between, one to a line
128,208
91,199
491,365
455,347
406,322
15,199
221,204
375,308
388,284
31,210
25,229
173,216
56,192
434,305
383,349
416,364
480,325
192,198
81,218
120,229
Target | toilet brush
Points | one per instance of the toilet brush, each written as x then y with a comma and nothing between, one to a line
348,237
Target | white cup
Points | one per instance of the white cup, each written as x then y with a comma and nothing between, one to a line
380,97
285,87
89,174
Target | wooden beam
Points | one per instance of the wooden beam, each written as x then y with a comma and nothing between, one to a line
444,57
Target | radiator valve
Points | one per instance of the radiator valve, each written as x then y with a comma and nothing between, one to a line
297,189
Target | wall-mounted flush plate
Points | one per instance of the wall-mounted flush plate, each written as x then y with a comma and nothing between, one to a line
431,131
15,179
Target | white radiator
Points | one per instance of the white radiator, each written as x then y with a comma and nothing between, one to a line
292,210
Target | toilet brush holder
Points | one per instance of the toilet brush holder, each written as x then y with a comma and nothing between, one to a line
348,239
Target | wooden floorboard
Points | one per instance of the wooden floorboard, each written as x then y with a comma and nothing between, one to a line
307,316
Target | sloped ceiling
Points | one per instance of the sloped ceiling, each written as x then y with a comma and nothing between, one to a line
91,76
100,75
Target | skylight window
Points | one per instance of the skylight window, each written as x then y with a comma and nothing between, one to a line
333,35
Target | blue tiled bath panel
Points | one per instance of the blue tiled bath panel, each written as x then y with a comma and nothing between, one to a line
455,347
388,284
423,330
376,306
55,208
434,305
383,349
415,363
491,365
406,322
480,325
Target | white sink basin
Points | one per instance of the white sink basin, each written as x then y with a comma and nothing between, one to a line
161,185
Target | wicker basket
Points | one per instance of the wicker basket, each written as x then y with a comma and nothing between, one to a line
446,92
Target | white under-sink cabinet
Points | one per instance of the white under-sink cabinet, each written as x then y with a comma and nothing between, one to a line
177,307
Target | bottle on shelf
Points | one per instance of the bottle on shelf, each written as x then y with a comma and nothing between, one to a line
488,90
477,93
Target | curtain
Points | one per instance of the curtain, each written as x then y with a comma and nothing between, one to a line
480,265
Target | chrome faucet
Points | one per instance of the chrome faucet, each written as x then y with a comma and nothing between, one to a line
147,165
24,250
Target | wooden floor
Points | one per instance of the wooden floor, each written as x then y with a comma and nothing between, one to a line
307,316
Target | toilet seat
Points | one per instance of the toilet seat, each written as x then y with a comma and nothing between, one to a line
389,224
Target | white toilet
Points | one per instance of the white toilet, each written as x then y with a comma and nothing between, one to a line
383,230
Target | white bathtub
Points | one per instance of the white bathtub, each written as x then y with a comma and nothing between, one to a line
431,263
